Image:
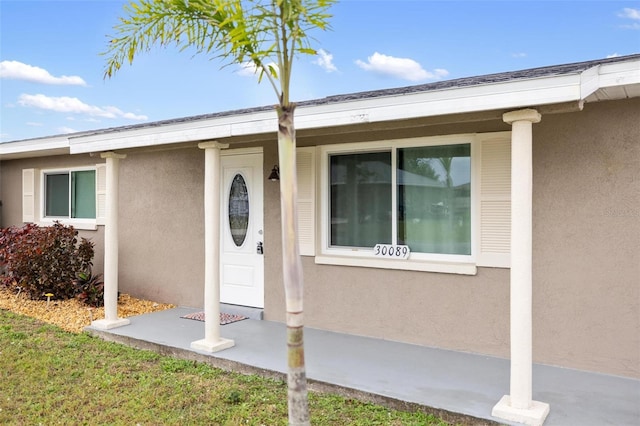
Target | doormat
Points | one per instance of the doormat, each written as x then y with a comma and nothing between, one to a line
224,317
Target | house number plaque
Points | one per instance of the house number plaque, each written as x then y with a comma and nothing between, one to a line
391,251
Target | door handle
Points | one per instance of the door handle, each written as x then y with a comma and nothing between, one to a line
260,248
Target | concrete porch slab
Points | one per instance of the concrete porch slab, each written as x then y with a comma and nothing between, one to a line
371,368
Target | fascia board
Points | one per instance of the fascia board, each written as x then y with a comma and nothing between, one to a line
624,74
451,101
188,131
146,137
514,94
589,81
56,145
620,74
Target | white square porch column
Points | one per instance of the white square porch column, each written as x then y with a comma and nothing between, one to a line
111,319
212,341
518,405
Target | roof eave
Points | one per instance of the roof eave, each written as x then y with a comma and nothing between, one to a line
506,95
611,81
42,147
605,81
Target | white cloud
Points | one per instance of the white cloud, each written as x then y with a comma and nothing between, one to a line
633,14
325,61
34,124
65,129
248,69
404,68
18,71
613,55
76,106
630,13
519,55
634,26
439,73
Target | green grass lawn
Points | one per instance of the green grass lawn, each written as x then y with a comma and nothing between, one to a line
50,376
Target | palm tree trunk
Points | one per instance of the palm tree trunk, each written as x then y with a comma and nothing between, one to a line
292,269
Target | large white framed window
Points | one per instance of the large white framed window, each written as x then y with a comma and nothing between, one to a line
424,193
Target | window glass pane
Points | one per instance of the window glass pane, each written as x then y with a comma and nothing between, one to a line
56,197
361,204
83,194
434,199
238,210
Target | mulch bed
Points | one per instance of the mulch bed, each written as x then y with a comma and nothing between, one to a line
72,315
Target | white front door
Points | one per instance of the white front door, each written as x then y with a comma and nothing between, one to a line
241,259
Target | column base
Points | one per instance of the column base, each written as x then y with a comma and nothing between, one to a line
207,346
105,324
534,415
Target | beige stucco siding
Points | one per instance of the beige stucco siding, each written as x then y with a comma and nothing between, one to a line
586,255
443,310
161,226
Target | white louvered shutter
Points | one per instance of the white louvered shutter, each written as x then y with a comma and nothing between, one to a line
101,193
305,169
29,195
495,203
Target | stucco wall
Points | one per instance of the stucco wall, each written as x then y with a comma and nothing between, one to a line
587,238
161,225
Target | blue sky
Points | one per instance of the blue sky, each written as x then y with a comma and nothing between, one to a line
51,71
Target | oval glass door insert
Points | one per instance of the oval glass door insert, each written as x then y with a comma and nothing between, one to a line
238,210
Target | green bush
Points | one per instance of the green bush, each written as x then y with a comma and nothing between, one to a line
43,260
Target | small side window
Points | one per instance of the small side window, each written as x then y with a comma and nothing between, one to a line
70,194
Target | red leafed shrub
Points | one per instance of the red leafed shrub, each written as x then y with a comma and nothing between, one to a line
89,289
37,260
